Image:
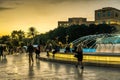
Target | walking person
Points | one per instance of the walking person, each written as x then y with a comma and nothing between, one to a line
37,51
30,50
48,48
79,56
1,51
56,49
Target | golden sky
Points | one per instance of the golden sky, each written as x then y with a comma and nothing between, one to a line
44,14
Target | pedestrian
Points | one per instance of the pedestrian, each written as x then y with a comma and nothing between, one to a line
30,50
56,49
37,51
67,49
1,51
48,49
79,56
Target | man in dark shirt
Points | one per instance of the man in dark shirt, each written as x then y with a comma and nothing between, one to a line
30,50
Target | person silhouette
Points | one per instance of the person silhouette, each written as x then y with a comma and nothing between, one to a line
79,56
1,51
30,50
37,51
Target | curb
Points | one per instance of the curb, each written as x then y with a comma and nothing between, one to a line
57,60
85,63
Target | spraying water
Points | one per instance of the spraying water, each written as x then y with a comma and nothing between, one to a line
101,43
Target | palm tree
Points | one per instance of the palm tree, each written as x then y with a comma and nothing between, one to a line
32,32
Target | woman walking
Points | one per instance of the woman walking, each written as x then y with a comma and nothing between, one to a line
79,56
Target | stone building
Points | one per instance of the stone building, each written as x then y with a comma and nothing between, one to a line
107,15
63,23
74,21
77,21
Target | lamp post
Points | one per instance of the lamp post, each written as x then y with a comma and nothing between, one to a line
57,39
66,37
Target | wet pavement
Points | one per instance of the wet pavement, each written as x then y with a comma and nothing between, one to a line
17,67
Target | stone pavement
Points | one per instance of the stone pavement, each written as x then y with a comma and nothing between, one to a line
16,67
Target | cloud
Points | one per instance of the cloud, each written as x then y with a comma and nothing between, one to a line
1,1
9,4
5,8
55,1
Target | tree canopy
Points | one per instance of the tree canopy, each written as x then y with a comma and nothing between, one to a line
59,34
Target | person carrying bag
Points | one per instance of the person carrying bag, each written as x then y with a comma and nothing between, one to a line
79,56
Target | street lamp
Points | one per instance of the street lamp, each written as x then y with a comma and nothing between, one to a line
66,37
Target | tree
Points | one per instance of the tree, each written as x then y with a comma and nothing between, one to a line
14,35
74,32
17,37
5,39
32,32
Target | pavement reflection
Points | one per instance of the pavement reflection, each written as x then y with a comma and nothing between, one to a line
17,67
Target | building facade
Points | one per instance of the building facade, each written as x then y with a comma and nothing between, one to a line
74,21
107,15
77,21
63,23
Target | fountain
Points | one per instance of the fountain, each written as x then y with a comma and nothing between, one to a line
97,49
110,44
100,43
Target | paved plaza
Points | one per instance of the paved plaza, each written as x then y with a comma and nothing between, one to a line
16,67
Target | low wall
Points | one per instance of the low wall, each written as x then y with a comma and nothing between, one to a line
99,58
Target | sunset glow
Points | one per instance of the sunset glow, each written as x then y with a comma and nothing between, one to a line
45,14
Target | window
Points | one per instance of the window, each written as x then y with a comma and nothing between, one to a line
98,14
109,14
104,22
116,15
103,15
